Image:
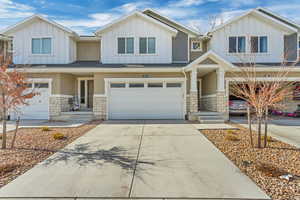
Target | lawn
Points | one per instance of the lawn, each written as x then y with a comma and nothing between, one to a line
263,166
34,145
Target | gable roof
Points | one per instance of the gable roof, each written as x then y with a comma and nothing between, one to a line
31,19
257,12
214,57
170,22
136,13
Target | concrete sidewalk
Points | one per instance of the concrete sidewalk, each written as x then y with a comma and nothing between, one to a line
141,159
285,130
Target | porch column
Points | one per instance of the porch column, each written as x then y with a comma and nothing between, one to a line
194,92
222,103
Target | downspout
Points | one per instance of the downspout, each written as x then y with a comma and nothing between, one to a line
185,100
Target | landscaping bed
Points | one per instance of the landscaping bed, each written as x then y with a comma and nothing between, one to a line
263,166
34,145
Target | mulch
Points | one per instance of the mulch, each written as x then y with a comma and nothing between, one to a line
34,145
263,166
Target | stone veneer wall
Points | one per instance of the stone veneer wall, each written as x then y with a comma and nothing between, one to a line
223,104
99,107
193,101
209,103
58,104
187,103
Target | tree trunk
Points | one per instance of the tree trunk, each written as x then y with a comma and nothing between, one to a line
3,123
15,133
266,128
259,132
250,125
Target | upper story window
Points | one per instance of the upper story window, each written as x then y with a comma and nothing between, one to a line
41,45
196,46
237,44
259,44
125,45
147,45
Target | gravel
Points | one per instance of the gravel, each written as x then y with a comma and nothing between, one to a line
33,146
263,166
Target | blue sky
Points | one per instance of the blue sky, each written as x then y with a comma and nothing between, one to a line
85,16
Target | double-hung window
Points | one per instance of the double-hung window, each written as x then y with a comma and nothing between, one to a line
147,45
125,45
259,44
41,45
237,44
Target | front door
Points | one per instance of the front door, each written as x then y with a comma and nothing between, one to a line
86,92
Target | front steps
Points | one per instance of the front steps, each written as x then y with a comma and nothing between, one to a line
76,116
208,117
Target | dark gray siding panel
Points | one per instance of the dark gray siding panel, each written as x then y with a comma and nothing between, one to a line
180,47
196,54
290,47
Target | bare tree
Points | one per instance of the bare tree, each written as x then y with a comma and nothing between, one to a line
263,94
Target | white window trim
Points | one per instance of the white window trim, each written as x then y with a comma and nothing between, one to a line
41,37
147,54
196,50
237,44
126,54
259,53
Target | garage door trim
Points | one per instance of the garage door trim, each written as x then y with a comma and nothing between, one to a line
108,81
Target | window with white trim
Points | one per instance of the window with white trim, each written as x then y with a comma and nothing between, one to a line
125,45
259,44
237,44
196,46
41,45
147,45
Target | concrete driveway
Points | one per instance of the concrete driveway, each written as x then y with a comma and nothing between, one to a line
286,130
137,159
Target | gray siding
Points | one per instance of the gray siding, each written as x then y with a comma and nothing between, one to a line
290,47
180,47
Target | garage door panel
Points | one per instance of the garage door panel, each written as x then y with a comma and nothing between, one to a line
145,103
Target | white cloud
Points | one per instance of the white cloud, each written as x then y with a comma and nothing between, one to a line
10,9
187,3
130,7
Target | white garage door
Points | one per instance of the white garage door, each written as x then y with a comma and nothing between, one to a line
141,100
38,106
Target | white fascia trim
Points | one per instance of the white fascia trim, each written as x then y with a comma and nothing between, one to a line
100,95
42,18
264,79
94,70
205,56
98,32
209,96
196,33
256,12
267,69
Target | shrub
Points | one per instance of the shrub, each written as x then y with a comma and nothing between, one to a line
58,136
269,138
45,128
232,137
231,132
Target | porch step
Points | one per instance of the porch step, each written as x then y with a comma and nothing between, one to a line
79,116
209,117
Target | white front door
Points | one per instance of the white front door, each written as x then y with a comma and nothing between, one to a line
38,106
146,100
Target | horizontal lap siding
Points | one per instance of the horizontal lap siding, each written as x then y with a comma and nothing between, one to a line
39,28
136,27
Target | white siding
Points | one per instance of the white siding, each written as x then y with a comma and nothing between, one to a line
249,26
22,44
136,27
73,50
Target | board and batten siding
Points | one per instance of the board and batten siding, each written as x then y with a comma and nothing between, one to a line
73,50
22,44
249,26
136,27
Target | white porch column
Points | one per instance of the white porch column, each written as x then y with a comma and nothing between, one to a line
222,100
194,92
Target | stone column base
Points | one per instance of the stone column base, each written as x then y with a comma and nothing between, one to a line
58,104
100,107
222,104
193,102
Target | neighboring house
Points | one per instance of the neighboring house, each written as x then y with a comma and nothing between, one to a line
5,46
147,66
